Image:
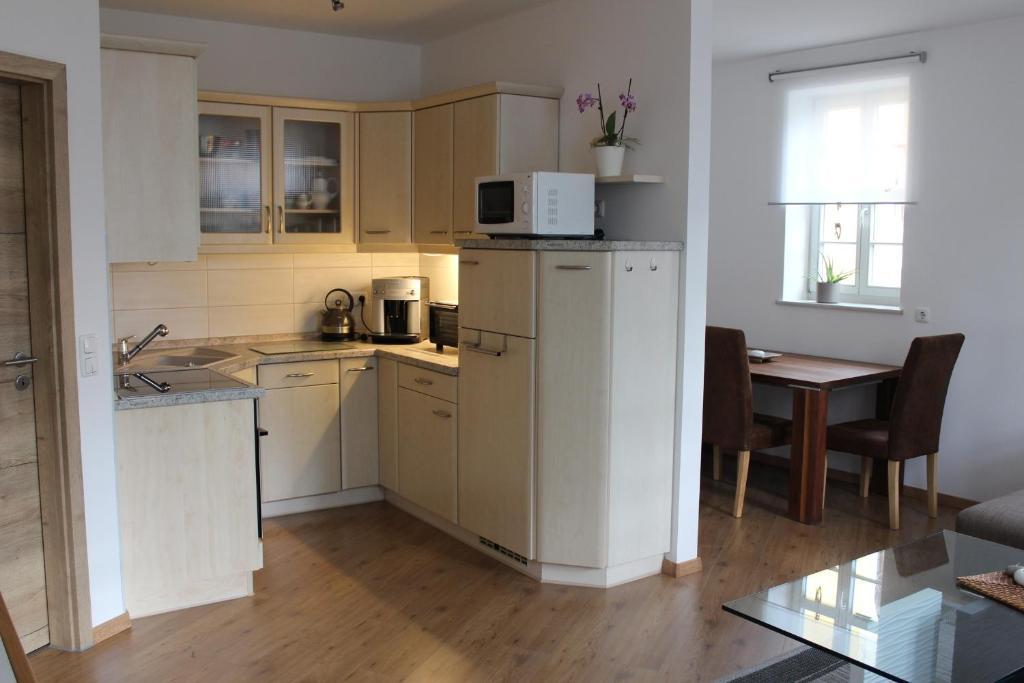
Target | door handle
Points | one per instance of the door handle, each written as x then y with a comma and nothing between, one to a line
438,232
377,232
424,381
476,348
298,375
442,413
470,263
359,369
564,267
20,359
280,219
270,218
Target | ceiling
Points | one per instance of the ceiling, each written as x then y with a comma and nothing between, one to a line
751,28
406,21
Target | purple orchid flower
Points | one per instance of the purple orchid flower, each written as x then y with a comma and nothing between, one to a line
585,101
628,102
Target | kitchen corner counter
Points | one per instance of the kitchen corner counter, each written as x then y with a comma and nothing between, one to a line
568,245
205,395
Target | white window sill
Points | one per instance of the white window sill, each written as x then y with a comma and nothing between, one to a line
869,308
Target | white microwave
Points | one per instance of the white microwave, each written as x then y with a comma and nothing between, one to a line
540,203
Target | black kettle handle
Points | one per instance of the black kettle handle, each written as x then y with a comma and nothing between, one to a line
351,301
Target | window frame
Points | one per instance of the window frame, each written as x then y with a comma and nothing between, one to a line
862,292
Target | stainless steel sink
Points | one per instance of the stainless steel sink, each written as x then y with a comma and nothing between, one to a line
190,358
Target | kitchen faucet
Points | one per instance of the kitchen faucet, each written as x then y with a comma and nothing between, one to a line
124,355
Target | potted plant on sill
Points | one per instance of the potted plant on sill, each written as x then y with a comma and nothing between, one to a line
611,145
829,282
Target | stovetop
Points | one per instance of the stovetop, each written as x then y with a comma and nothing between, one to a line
299,346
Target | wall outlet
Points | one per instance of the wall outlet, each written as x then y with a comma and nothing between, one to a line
922,315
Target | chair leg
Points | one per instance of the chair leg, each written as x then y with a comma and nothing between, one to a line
933,489
866,465
716,462
894,494
742,466
824,486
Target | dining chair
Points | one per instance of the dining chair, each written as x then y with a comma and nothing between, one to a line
729,419
914,422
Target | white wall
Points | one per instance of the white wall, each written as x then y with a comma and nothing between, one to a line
964,240
68,32
574,44
269,61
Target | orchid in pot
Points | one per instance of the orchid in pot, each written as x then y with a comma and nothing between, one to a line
611,145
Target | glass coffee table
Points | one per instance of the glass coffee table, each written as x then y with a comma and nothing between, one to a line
898,613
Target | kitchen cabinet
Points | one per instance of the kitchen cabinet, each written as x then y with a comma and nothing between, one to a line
427,461
235,174
302,454
357,382
314,176
151,187
433,130
498,291
501,133
385,177
387,419
188,517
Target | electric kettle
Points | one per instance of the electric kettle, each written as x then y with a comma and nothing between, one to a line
337,323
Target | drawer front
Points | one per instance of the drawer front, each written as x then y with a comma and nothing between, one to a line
304,374
444,387
498,291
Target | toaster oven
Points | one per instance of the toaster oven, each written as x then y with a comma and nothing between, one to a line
444,325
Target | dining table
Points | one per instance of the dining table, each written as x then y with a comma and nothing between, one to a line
812,379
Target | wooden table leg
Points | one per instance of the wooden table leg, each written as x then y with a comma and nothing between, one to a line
883,408
807,455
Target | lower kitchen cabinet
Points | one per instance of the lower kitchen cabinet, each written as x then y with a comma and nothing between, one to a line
359,439
387,420
427,462
302,454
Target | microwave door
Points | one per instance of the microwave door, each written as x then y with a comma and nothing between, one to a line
496,202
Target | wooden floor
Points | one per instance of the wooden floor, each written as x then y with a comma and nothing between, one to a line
370,594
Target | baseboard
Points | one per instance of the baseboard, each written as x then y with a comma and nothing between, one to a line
109,629
678,570
293,506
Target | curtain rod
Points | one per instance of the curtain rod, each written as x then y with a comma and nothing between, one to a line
921,56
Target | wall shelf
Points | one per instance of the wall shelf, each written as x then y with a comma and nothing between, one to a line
634,179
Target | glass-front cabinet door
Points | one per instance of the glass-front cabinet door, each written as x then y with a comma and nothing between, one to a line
314,180
234,174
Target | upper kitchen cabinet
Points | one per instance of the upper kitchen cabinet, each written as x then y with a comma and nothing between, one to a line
314,176
385,177
433,130
149,149
234,174
501,133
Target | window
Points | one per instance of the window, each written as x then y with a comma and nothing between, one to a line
844,181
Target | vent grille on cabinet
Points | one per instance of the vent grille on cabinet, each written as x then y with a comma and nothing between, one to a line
502,550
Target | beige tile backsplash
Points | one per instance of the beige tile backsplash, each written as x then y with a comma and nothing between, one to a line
231,295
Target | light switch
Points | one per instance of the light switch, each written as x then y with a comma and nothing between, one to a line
89,366
88,344
87,350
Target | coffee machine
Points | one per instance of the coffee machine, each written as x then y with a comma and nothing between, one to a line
399,305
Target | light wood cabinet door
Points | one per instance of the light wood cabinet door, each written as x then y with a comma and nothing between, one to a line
302,454
150,152
573,359
387,419
496,444
427,469
528,135
475,153
314,176
385,177
359,456
498,291
432,175
235,174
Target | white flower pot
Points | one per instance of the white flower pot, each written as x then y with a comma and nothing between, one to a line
828,292
609,160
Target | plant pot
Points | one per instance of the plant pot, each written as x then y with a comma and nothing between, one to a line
609,159
828,292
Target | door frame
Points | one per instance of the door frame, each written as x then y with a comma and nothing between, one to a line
52,327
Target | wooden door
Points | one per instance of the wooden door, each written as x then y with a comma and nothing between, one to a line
496,440
432,175
498,291
427,467
387,418
385,177
359,446
529,134
22,578
474,154
314,176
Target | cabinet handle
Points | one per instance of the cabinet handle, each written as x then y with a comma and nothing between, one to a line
359,369
377,232
470,263
270,218
573,267
298,375
464,232
654,266
438,232
442,413
280,219
476,348
424,381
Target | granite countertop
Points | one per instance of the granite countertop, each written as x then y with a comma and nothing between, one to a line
421,355
515,244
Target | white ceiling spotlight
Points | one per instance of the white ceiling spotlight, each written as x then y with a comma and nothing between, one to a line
337,5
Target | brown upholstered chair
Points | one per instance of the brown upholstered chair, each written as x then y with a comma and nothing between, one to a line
914,423
729,419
